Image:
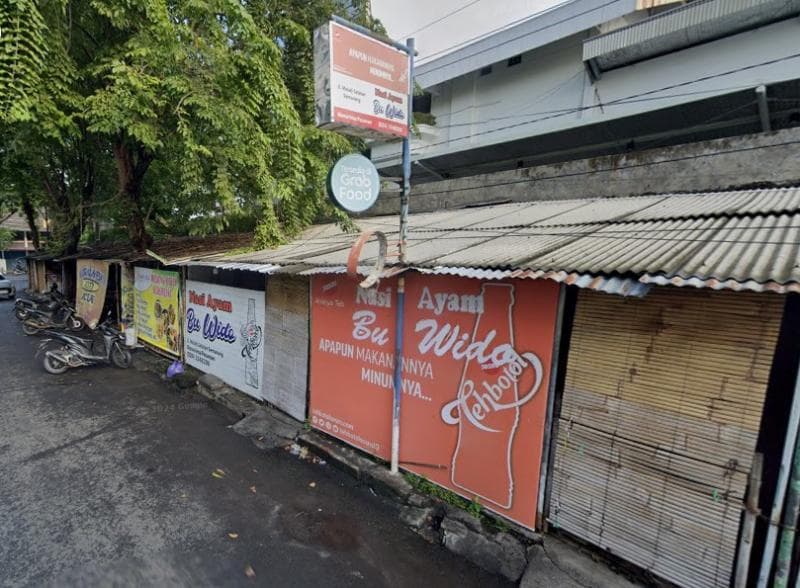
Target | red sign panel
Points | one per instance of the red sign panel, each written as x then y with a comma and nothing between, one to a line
368,83
476,369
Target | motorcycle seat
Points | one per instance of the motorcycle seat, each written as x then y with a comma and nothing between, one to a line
88,341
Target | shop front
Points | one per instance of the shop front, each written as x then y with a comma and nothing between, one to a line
286,351
659,417
475,379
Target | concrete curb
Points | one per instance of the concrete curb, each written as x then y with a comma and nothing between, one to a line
500,552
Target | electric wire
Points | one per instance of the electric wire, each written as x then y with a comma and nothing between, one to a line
617,101
440,19
511,40
607,169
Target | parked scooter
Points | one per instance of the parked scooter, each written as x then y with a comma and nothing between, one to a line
73,351
48,302
61,317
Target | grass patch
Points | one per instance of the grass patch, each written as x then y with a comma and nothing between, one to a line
425,486
473,507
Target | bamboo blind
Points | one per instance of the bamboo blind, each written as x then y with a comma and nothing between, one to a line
659,420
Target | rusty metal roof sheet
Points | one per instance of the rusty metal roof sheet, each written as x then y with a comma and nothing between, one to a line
173,250
747,239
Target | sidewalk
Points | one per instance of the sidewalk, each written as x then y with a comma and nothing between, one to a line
560,564
535,561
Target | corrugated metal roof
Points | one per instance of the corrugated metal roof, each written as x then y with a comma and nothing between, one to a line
174,250
740,240
266,268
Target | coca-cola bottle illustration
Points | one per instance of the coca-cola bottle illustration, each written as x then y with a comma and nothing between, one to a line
489,413
251,341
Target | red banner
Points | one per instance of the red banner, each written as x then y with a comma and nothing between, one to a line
476,369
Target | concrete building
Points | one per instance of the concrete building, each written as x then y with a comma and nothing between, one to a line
22,244
595,78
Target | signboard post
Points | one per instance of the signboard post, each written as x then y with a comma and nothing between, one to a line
362,84
364,87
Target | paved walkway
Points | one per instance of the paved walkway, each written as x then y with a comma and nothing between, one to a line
106,477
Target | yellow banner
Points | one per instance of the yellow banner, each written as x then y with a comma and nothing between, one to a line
90,289
157,308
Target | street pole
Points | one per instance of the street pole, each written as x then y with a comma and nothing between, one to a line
789,444
790,510
401,280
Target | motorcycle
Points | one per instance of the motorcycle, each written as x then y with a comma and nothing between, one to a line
62,317
74,351
47,302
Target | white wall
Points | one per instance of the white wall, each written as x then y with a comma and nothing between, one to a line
522,101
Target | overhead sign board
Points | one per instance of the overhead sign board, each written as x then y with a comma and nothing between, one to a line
353,183
361,84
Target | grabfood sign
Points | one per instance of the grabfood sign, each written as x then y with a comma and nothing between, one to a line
225,334
361,84
475,376
353,183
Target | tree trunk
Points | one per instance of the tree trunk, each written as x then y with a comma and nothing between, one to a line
30,215
68,228
132,165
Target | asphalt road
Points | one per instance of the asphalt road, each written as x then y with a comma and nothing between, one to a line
105,479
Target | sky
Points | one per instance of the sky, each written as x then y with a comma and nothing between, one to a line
460,21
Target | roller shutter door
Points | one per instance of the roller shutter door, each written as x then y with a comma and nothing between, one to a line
658,425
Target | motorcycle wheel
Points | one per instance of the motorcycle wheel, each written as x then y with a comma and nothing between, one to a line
54,366
76,323
29,328
121,357
20,313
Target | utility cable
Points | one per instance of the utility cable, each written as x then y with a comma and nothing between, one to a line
623,100
440,19
606,169
512,39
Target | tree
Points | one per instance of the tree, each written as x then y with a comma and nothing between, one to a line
204,107
6,238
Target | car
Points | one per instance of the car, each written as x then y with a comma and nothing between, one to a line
7,288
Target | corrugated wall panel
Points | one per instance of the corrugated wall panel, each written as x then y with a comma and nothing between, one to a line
659,421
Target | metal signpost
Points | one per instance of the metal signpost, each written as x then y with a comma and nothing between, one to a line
362,90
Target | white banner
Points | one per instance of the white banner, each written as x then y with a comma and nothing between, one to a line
225,334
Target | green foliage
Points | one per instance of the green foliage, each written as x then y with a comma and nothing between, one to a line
473,507
6,237
23,51
191,116
424,486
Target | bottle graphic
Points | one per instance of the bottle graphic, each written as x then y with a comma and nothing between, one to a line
251,341
489,410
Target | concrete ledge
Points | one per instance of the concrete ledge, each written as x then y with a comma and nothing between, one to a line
337,454
501,553
267,429
558,563
209,382
386,483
